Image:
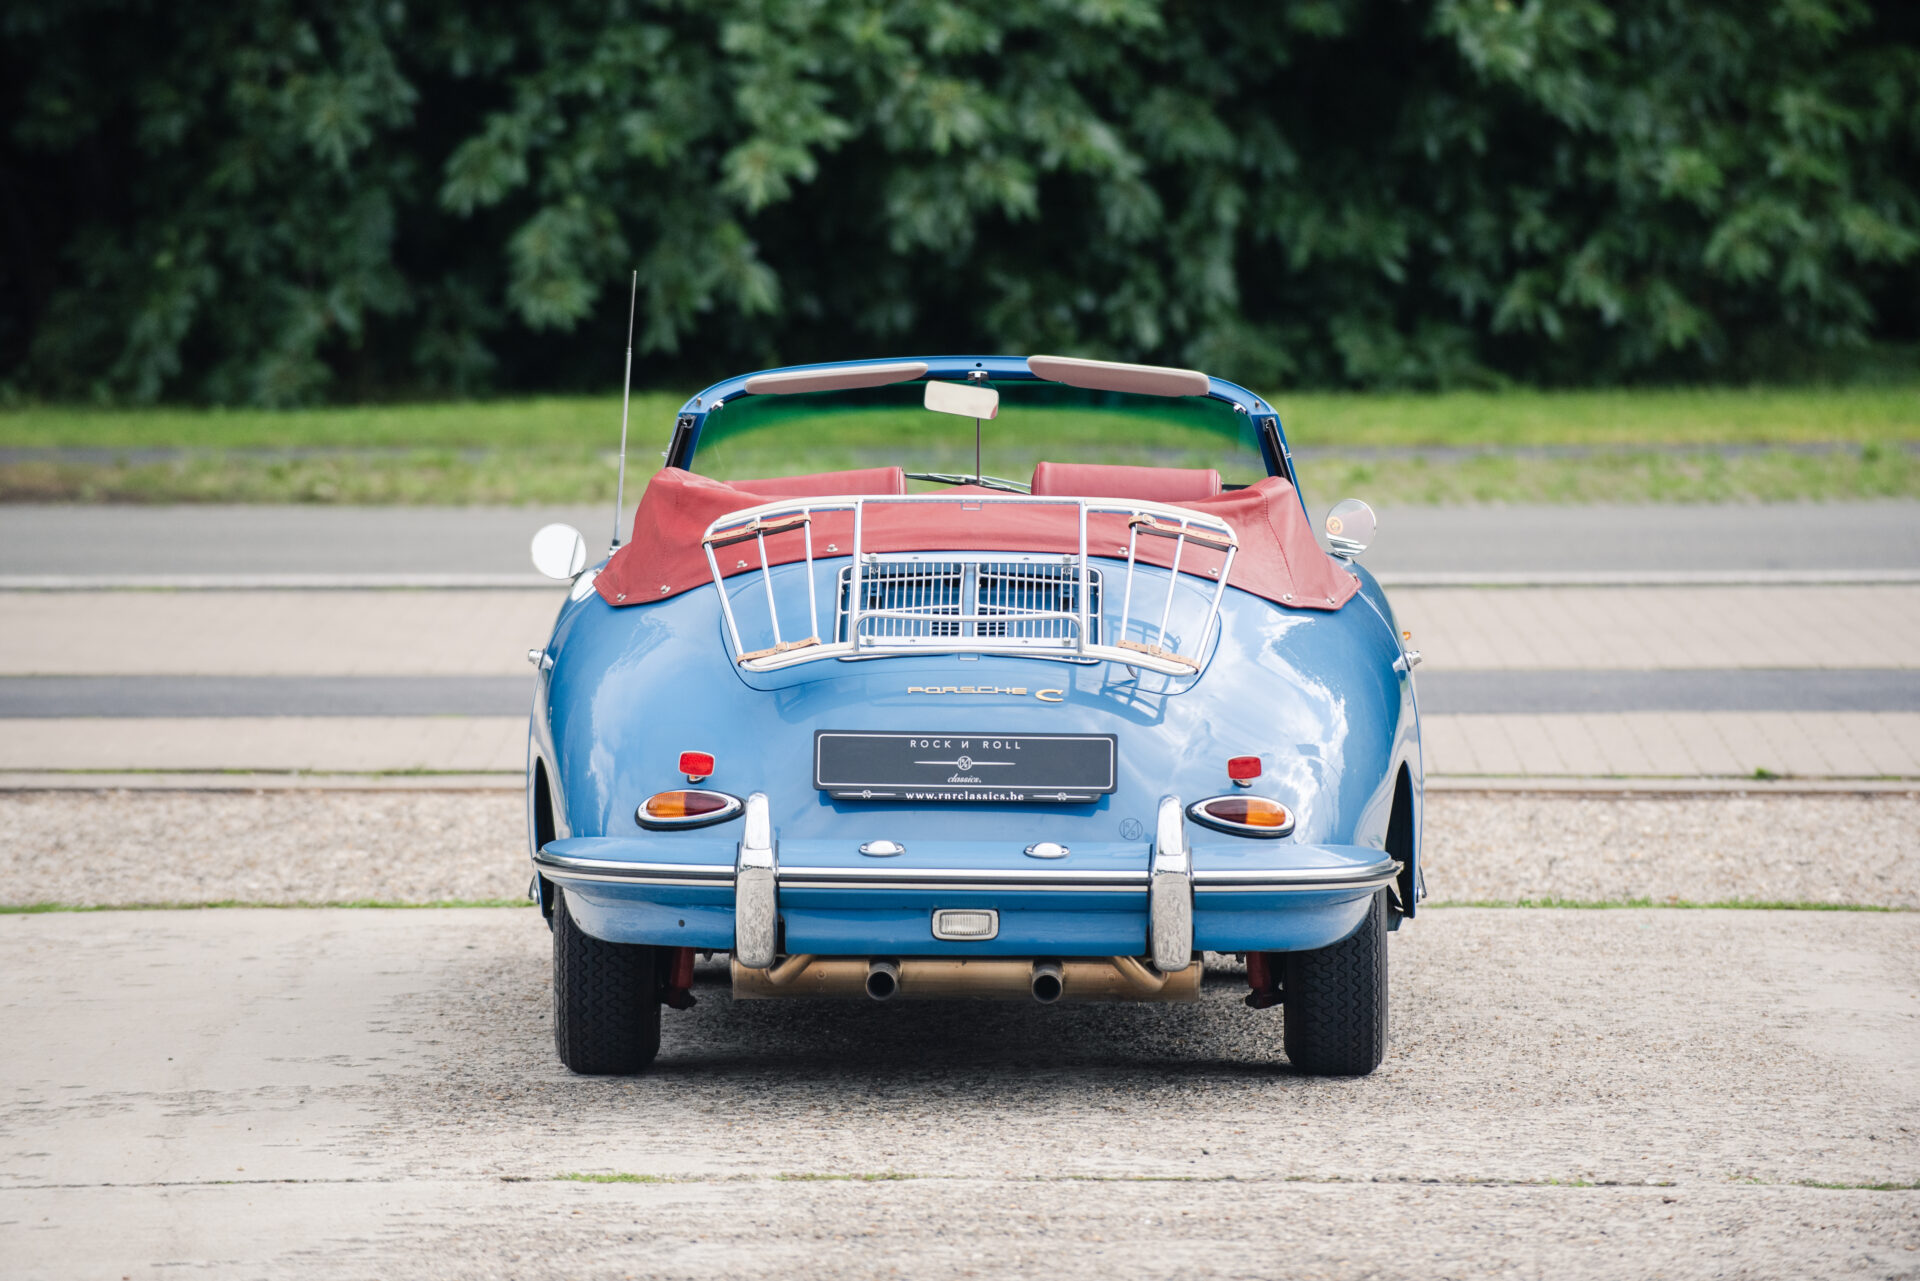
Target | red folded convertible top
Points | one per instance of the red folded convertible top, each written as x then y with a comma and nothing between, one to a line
1278,557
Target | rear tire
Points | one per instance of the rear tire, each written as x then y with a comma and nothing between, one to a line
606,1000
1335,1000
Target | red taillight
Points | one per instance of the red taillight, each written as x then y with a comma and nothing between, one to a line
1243,815
1243,769
696,765
686,808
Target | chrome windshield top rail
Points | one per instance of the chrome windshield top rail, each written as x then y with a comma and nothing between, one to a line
1032,604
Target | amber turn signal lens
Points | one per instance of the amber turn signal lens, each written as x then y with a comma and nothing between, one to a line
687,808
1243,815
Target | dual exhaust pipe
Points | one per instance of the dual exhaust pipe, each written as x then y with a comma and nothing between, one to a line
1047,981
1111,978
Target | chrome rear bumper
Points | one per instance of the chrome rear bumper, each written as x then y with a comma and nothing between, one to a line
1218,880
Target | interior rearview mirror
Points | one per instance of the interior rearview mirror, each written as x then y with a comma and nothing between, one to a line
964,399
559,551
1350,527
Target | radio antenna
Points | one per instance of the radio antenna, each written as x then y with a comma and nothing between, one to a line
626,399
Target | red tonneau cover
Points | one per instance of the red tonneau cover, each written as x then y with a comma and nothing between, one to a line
1278,558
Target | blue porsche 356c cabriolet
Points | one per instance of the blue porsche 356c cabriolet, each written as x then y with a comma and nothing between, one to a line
894,734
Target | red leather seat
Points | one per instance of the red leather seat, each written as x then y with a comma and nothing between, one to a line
821,484
1150,484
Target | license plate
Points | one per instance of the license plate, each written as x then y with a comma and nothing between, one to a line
855,766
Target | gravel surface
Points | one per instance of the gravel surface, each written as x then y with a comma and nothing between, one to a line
282,847
271,847
1819,849
359,1094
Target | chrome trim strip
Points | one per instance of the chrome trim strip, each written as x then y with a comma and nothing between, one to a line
1170,891
1371,876
1018,880
1135,878
1012,880
574,868
569,875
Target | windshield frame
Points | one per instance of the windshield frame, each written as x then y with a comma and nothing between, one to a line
1264,420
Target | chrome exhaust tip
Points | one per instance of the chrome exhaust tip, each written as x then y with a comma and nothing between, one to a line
1049,982
883,979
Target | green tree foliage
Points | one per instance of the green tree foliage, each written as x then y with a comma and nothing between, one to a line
279,202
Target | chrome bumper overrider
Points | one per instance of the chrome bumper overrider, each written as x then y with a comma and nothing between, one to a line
756,889
1170,890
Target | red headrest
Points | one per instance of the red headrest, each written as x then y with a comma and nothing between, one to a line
1151,484
867,480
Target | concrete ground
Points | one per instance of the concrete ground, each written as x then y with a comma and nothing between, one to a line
374,1094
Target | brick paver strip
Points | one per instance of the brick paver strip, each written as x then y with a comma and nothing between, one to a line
1665,744
321,633
353,744
318,633
1663,627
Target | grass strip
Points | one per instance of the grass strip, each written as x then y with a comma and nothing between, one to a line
893,1176
504,477
40,909
884,1176
1683,905
1703,416
1650,446
607,1178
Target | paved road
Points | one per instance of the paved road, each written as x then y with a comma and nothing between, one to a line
1441,693
1580,1094
344,540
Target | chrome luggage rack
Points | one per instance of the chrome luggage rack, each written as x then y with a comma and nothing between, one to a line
1038,605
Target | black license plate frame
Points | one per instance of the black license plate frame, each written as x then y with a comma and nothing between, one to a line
936,767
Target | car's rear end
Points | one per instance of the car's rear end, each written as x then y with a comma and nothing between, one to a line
972,743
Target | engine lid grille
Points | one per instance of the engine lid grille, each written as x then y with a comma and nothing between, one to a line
908,600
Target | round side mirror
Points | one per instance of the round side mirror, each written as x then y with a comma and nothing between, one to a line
559,552
1350,527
